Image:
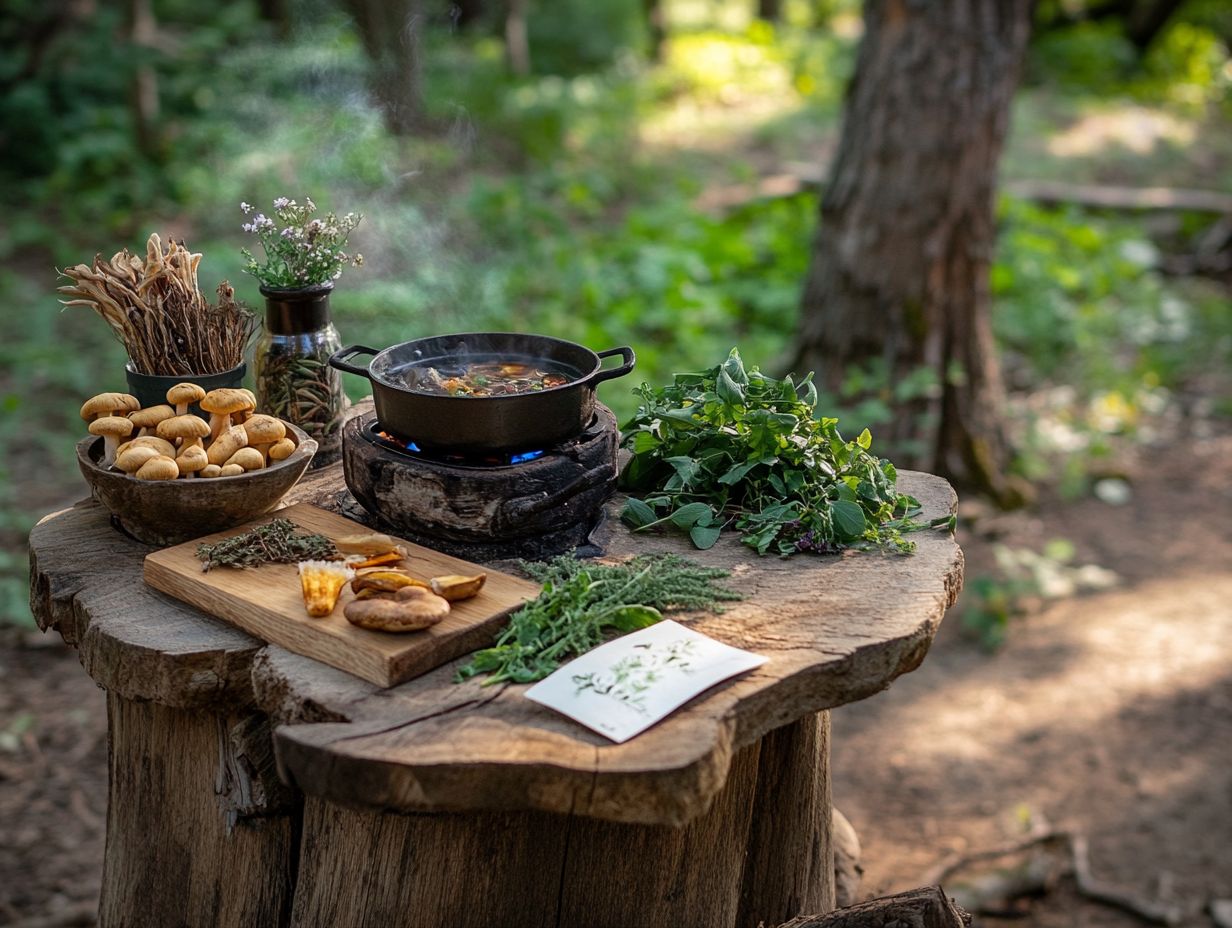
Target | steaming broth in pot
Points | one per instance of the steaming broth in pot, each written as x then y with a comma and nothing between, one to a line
483,375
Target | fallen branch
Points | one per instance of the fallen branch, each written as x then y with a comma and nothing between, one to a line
1080,866
927,907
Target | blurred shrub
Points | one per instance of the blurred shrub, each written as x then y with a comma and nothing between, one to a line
572,36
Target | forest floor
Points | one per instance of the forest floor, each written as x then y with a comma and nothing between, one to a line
1108,714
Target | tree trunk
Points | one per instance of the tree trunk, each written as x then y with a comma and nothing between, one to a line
1148,20
143,92
769,10
898,279
656,27
517,43
278,14
389,30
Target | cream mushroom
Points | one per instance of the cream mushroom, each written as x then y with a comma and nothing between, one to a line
109,404
221,404
112,428
131,459
162,446
148,419
192,458
182,395
264,431
159,468
226,444
281,450
245,414
230,470
191,429
210,470
247,458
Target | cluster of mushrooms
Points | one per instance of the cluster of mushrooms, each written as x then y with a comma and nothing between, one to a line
167,441
387,597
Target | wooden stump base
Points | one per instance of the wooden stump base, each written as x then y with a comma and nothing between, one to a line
761,854
178,850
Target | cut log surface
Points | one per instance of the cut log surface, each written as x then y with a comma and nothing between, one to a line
835,629
917,908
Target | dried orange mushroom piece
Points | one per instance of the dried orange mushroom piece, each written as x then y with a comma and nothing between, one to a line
321,583
454,587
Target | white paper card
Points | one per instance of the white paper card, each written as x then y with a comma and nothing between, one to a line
623,687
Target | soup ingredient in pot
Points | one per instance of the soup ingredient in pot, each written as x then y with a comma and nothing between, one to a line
488,378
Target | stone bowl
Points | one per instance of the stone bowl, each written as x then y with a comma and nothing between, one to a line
168,512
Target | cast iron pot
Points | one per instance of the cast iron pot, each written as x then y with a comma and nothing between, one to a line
475,425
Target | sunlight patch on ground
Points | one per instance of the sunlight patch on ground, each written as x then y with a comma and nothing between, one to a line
1138,129
1106,654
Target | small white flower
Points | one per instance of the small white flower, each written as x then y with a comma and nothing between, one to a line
246,207
288,232
249,227
308,201
281,202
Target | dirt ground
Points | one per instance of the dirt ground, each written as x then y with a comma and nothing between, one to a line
1109,714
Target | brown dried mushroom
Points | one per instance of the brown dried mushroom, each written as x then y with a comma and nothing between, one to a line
384,580
413,609
454,588
112,428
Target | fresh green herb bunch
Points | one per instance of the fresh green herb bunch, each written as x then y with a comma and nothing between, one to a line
582,602
733,447
300,251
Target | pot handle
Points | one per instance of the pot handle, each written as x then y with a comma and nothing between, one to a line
339,360
629,360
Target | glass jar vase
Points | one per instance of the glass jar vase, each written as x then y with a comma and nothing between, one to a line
291,366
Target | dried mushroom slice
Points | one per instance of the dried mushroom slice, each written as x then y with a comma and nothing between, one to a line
454,587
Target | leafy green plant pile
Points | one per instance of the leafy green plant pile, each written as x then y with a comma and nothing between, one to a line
733,447
581,603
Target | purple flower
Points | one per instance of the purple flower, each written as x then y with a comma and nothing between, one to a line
288,232
281,203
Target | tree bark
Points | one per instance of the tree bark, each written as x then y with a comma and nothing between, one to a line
898,279
769,10
143,92
517,41
389,30
1148,20
656,27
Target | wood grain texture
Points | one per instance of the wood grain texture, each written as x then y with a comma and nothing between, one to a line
789,867
267,602
176,854
85,583
927,907
835,629
525,869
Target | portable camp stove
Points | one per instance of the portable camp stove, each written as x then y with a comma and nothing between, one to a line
532,504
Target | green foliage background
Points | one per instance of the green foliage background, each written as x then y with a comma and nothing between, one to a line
567,202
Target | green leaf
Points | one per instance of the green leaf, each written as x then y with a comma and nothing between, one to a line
848,518
692,514
631,618
738,472
728,390
704,536
637,514
645,441
865,439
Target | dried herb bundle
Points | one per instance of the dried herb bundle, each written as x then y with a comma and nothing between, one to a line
276,542
582,603
157,311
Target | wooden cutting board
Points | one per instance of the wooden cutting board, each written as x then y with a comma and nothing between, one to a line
266,601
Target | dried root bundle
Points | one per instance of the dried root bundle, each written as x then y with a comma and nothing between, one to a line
156,309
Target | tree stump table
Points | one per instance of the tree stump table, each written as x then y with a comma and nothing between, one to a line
252,786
